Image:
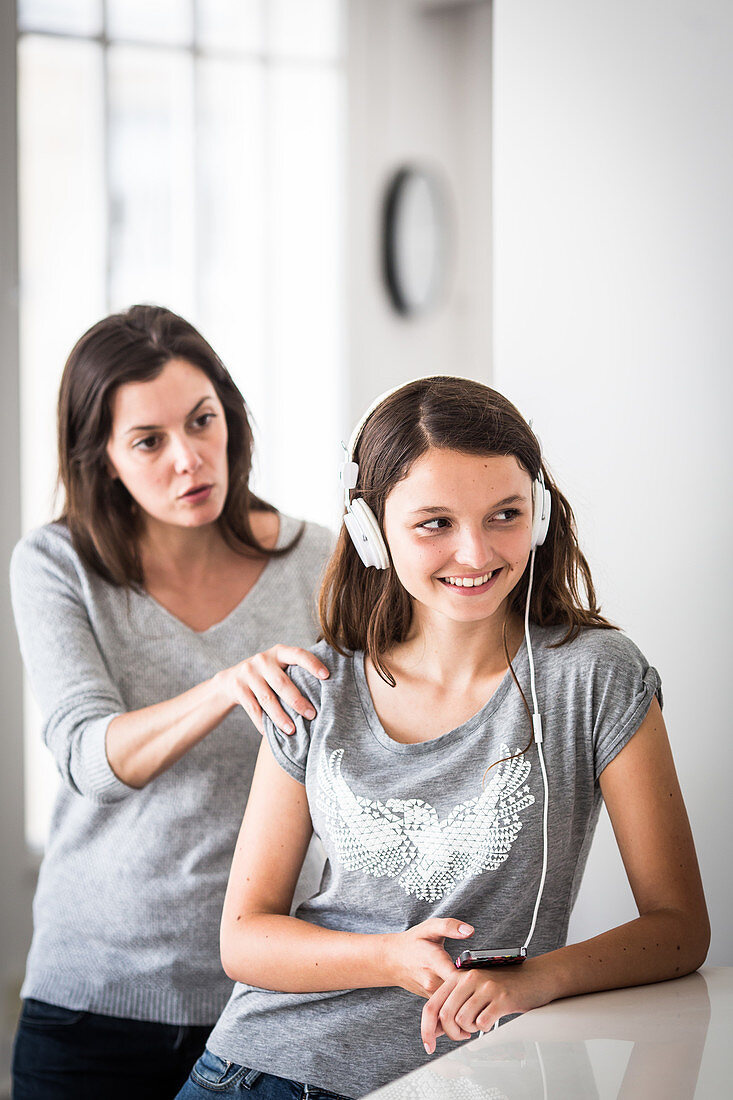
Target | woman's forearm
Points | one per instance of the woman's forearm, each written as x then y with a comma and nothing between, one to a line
292,956
142,744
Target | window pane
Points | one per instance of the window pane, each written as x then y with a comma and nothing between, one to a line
62,16
62,281
151,178
230,163
231,25
305,199
304,28
169,21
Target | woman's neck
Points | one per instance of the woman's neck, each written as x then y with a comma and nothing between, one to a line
179,551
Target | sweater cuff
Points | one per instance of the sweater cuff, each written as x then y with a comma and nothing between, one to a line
98,781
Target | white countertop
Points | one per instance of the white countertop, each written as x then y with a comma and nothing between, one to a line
671,1041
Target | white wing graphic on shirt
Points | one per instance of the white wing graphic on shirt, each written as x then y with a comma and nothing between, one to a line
406,837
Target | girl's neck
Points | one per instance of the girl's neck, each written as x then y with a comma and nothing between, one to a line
457,653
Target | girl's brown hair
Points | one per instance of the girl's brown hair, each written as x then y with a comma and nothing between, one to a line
103,519
369,609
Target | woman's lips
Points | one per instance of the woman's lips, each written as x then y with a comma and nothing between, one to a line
198,494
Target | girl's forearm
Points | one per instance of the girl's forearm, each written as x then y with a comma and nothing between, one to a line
665,943
142,744
293,956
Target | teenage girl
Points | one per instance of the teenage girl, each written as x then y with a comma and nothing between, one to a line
454,772
139,612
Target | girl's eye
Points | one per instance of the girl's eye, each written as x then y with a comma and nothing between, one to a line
434,524
149,443
507,515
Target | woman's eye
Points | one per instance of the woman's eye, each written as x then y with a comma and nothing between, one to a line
149,443
203,419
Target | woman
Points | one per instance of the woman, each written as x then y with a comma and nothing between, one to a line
449,809
138,613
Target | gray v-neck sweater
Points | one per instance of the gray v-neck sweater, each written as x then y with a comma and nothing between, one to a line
126,913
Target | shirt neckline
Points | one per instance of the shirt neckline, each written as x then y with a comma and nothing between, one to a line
467,728
287,528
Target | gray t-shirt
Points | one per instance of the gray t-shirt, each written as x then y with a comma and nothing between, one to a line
127,909
409,832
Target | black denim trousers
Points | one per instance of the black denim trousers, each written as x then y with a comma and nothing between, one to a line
65,1054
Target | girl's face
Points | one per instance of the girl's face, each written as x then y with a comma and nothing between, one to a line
168,445
459,530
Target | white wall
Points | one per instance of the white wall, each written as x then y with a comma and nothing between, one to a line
15,871
419,80
613,185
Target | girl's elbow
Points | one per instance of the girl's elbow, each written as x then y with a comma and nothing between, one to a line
228,954
702,941
233,949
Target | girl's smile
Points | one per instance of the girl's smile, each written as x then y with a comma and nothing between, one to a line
470,586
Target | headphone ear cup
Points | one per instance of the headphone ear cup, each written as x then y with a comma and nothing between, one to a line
361,523
541,507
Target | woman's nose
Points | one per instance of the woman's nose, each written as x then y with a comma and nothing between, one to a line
186,458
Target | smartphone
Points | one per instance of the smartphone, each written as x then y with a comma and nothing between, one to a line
468,960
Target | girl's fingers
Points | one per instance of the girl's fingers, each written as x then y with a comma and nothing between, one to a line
486,1019
453,1006
294,655
467,1016
430,1021
445,928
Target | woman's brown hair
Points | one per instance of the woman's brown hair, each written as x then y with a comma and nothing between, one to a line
369,609
103,519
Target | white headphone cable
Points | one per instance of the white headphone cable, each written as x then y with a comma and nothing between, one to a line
537,728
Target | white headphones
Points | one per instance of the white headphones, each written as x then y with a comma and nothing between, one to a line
362,525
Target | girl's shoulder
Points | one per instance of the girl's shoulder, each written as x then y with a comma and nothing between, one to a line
591,648
600,679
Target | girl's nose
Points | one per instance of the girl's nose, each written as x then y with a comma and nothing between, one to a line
473,548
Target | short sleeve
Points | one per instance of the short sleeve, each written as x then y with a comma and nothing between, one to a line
291,749
624,685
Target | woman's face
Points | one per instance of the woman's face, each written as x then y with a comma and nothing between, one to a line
168,445
459,531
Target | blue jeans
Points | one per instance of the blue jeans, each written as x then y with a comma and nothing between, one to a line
65,1054
212,1076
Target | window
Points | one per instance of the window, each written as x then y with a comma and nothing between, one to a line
188,153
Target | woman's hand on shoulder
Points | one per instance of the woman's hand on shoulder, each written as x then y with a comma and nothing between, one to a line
473,1000
417,960
259,683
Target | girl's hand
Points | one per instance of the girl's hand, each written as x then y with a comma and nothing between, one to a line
259,683
416,959
473,1000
